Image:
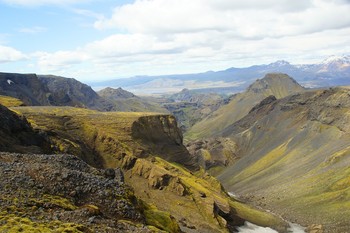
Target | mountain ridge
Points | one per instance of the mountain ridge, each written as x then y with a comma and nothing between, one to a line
233,80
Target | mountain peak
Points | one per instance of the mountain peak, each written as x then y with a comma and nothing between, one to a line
280,63
282,84
345,59
112,93
335,63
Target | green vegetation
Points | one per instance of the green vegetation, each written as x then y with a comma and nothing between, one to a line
160,219
18,215
173,193
8,101
12,223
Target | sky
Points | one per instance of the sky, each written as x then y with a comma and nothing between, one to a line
93,40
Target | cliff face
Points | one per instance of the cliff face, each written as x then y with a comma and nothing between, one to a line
163,137
304,137
26,87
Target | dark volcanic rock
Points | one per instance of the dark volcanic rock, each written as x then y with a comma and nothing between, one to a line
63,187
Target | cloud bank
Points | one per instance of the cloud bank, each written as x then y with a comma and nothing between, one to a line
167,36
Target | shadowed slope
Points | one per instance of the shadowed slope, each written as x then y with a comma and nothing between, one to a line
279,85
294,157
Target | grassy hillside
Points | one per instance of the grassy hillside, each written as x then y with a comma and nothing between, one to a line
294,158
9,101
142,144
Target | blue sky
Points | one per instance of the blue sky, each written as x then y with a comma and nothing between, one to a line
103,39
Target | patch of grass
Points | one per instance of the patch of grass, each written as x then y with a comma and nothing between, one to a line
160,219
12,223
8,101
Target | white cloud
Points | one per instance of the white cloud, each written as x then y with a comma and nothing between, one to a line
8,54
41,2
167,36
246,19
32,30
59,60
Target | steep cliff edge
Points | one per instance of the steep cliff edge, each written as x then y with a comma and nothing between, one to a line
163,137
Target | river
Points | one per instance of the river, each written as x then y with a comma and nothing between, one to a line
252,228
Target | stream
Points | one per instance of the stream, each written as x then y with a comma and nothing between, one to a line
252,228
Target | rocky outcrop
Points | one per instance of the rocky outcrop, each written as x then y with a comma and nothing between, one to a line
214,152
162,136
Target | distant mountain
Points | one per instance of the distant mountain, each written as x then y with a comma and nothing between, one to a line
70,92
276,84
333,71
26,87
113,94
46,90
126,101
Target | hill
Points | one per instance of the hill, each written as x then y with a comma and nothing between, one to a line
294,156
277,84
126,101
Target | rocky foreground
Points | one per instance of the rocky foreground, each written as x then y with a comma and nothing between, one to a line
62,193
